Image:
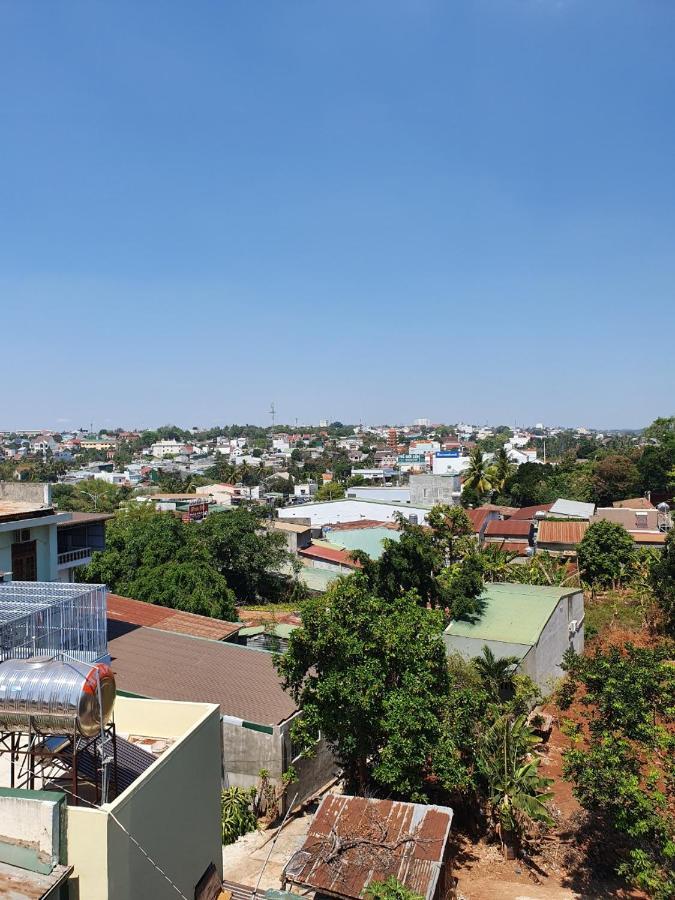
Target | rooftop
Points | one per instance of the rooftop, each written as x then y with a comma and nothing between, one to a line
11,510
331,554
290,526
552,532
84,518
417,833
513,614
572,508
151,663
633,503
529,512
137,612
509,528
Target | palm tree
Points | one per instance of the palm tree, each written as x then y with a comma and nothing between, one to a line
496,674
478,477
503,469
497,563
518,793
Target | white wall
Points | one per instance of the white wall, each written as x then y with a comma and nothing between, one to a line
555,639
386,494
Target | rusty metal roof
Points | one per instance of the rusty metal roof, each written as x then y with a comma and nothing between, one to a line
509,528
354,841
552,532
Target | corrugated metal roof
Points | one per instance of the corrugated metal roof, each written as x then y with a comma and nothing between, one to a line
330,554
509,528
354,841
572,508
529,512
570,533
513,613
648,537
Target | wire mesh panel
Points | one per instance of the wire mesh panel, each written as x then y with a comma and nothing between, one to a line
44,618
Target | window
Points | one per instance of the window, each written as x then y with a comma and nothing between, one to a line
22,536
641,520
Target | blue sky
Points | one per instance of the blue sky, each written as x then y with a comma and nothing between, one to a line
358,210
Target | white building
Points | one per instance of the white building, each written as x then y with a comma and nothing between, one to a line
449,463
333,512
161,449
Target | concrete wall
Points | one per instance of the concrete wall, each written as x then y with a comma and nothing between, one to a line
35,492
427,490
555,639
172,810
386,494
30,829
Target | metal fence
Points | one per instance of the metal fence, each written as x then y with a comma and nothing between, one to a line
45,618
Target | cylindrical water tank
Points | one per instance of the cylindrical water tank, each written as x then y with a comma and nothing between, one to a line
60,697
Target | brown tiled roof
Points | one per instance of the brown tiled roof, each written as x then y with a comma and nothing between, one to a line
529,512
167,666
634,503
509,528
328,554
552,532
407,841
136,612
82,518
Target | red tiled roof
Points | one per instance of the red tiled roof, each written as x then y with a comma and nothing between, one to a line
165,666
328,554
136,612
529,512
552,532
417,833
509,528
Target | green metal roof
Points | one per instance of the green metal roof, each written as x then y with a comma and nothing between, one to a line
513,614
367,539
317,579
280,630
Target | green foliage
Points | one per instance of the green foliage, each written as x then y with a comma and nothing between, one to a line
439,563
662,577
496,674
478,476
155,557
90,495
237,816
606,554
518,794
331,490
615,478
621,762
390,889
371,674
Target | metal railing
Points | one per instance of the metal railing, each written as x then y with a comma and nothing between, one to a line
74,555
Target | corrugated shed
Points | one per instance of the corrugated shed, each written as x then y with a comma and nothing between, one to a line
136,612
331,555
509,528
570,533
354,841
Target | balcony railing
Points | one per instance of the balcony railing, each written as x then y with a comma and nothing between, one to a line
71,556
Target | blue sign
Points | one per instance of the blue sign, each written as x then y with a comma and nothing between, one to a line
447,454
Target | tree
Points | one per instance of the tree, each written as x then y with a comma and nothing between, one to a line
478,477
615,478
371,675
518,794
621,760
247,555
606,554
662,578
496,674
503,469
154,556
331,490
90,495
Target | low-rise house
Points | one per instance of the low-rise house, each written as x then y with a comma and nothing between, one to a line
222,493
79,535
354,841
256,713
634,503
136,613
532,513
305,490
536,624
517,533
647,526
28,537
364,535
480,519
560,538
189,507
298,536
324,555
272,637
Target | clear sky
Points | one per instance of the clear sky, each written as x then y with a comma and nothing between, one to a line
365,210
